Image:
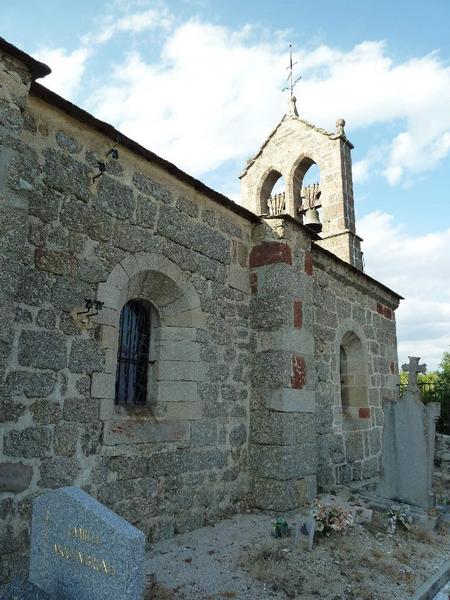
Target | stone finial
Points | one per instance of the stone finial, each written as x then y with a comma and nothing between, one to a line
413,369
340,124
292,106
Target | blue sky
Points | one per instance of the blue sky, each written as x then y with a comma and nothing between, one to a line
199,82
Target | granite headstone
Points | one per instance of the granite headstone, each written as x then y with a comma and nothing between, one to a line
22,589
408,445
81,550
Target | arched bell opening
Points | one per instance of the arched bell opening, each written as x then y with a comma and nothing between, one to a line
272,194
307,193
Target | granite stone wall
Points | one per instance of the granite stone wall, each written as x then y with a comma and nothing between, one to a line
346,302
134,232
245,403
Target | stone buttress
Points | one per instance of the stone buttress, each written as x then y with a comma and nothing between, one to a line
283,440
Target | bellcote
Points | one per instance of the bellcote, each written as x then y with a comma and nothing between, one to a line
288,152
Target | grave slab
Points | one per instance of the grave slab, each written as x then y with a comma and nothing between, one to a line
81,550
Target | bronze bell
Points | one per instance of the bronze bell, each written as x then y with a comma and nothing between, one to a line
311,220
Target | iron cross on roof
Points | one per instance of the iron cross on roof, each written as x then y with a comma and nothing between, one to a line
290,78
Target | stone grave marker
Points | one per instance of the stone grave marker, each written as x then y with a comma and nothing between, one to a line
22,589
81,550
408,445
304,533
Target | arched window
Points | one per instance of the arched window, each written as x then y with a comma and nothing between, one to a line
272,199
353,374
133,355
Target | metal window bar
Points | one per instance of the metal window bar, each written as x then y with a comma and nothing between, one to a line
133,354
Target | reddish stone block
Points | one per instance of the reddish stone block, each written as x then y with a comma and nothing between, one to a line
298,378
253,282
308,263
384,311
298,314
364,412
269,253
392,368
387,313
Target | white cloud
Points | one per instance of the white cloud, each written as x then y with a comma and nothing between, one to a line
214,94
206,102
137,22
369,88
67,68
417,267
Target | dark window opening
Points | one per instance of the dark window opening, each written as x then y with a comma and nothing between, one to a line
133,354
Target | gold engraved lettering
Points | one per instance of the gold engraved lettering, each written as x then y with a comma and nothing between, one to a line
84,535
96,564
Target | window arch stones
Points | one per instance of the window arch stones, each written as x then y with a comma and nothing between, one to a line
352,375
155,283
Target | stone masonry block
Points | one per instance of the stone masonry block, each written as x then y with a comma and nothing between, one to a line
43,350
103,385
59,472
152,188
115,198
298,379
271,369
268,427
31,385
172,225
184,410
308,263
65,439
65,174
179,350
354,445
81,410
283,462
10,410
86,356
178,333
15,477
269,312
110,337
276,495
298,314
28,443
375,440
269,253
181,371
177,391
203,433
134,431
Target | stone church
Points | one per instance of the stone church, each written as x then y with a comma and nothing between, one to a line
178,355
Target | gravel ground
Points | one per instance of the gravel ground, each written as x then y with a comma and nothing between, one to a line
237,558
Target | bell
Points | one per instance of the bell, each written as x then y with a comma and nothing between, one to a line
311,220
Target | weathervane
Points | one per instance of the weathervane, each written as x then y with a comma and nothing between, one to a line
290,78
